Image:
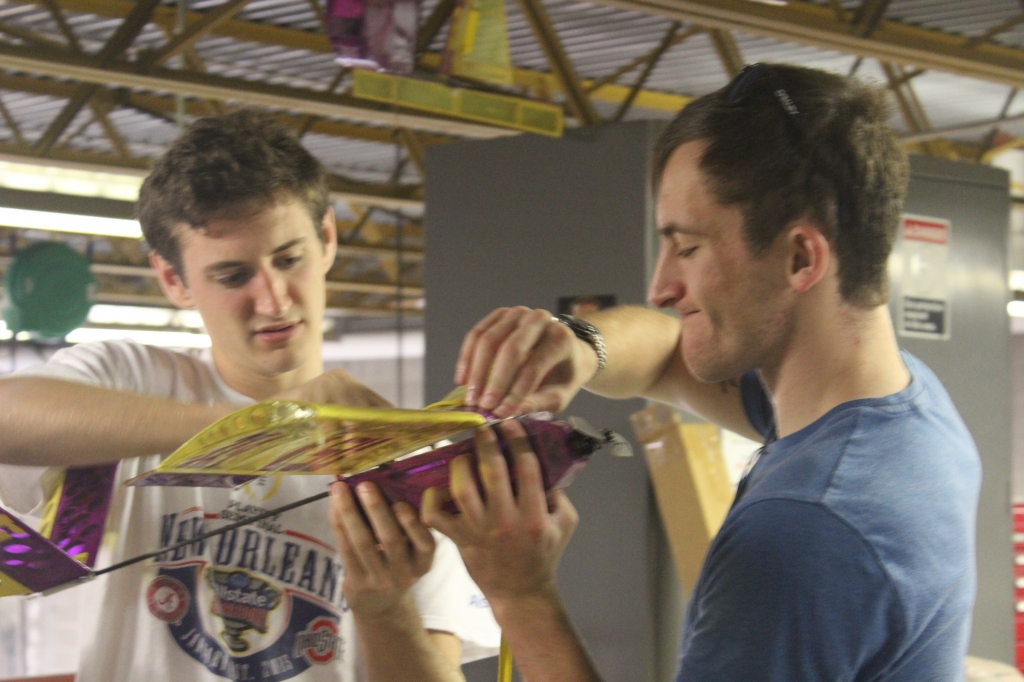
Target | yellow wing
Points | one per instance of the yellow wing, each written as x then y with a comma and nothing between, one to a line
284,437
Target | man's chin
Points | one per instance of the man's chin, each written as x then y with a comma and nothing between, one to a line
280,360
274,366
710,376
710,368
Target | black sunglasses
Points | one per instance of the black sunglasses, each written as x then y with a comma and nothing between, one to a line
739,90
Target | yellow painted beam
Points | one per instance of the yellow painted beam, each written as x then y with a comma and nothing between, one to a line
219,88
184,40
163,105
543,84
467,104
547,37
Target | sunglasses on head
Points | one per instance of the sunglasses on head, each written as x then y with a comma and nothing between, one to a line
740,89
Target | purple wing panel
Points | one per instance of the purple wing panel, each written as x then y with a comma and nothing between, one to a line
29,562
82,511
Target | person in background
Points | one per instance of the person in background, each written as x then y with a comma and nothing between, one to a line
848,553
238,217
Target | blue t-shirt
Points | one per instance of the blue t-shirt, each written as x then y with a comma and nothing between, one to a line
849,555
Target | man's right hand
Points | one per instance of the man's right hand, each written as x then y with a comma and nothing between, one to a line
518,360
511,542
334,387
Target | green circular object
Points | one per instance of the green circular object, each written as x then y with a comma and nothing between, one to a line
48,289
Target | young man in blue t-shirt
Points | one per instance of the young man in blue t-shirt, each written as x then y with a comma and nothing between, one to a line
849,552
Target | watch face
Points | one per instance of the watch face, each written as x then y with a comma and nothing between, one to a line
581,328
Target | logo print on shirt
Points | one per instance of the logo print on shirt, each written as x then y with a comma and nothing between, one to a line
243,602
262,603
167,599
319,642
264,487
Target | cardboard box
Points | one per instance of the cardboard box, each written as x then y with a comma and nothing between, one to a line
691,484
984,670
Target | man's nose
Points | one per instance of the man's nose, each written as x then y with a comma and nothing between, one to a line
666,285
271,293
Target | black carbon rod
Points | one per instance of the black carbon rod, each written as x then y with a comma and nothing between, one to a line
213,533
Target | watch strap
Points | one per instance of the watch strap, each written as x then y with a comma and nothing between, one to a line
589,334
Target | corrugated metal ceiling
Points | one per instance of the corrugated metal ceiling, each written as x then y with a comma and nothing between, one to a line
597,38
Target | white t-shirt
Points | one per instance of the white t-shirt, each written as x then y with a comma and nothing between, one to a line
261,603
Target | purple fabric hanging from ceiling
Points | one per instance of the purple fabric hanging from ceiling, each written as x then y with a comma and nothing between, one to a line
374,34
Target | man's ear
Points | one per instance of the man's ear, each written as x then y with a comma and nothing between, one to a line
170,281
810,256
329,225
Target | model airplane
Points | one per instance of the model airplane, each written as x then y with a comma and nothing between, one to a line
404,452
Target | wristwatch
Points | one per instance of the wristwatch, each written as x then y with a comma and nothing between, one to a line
589,334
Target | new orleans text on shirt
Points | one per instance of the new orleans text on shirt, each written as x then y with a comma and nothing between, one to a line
260,603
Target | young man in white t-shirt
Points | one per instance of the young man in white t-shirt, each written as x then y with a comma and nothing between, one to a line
241,228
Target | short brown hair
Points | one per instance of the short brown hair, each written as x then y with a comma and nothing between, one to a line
246,159
836,161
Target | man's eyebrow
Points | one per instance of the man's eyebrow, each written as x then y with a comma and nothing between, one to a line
673,229
287,245
232,264
223,266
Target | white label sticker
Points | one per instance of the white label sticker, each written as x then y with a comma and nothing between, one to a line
924,307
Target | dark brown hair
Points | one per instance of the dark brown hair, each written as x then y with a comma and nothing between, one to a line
837,162
244,160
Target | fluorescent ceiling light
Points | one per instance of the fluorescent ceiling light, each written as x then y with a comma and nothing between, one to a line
1015,308
139,316
149,338
70,222
85,183
1017,280
6,334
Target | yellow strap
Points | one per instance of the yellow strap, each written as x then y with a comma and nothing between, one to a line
52,504
504,661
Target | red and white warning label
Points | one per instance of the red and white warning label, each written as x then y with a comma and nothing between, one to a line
931,230
924,283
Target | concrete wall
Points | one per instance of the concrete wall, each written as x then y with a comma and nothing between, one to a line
524,221
974,365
